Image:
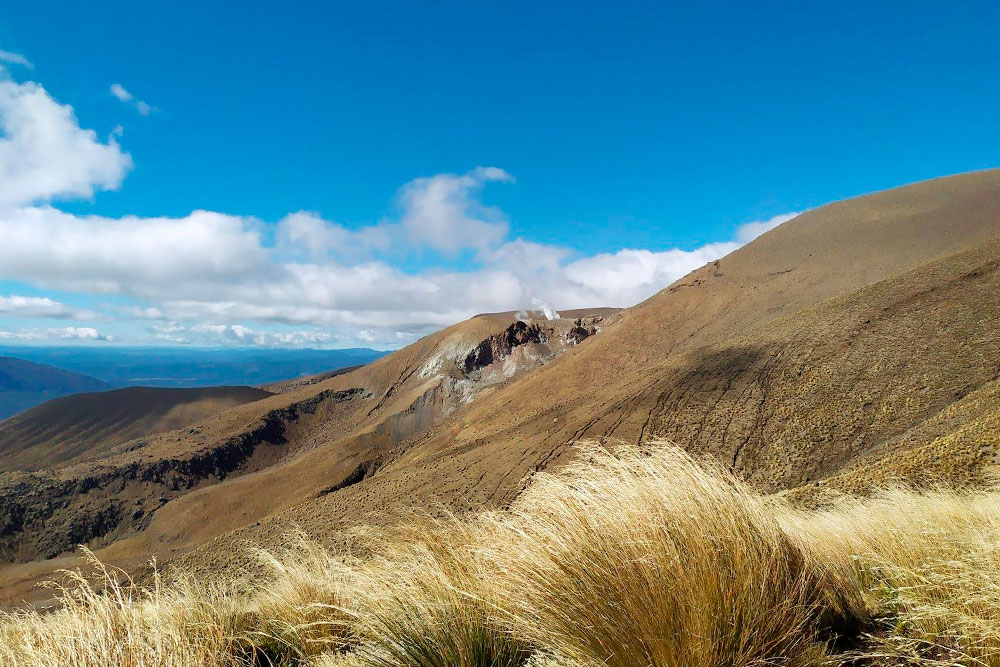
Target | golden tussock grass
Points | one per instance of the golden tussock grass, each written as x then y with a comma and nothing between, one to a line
641,557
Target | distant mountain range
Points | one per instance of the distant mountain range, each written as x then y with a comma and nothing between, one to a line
30,376
24,384
191,367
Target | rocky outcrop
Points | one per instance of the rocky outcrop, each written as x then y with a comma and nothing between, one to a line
362,472
499,346
582,329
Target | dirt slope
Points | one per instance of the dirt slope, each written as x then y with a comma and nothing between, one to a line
89,425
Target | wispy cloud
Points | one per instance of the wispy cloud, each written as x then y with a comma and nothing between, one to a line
128,98
55,334
12,58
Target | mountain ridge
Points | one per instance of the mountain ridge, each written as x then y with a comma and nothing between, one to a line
87,425
620,386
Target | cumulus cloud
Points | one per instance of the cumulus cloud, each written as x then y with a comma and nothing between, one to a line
42,307
629,276
12,58
632,275
145,257
217,268
55,334
444,212
45,154
307,234
128,98
515,275
209,277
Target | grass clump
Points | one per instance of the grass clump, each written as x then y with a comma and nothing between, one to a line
115,622
929,566
634,557
434,604
645,558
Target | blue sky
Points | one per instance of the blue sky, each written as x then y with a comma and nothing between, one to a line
373,171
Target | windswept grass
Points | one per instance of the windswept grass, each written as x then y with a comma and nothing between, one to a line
648,559
637,558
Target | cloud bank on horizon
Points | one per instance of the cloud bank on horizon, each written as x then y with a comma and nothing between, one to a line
214,278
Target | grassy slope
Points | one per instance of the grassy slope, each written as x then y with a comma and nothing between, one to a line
869,325
88,425
312,440
639,558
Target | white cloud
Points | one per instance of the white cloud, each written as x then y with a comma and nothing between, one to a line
128,98
630,276
207,276
240,335
55,334
44,154
119,91
246,336
145,257
751,230
444,212
143,313
217,268
12,58
41,307
307,233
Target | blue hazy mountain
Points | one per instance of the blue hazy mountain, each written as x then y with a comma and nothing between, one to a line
191,367
24,384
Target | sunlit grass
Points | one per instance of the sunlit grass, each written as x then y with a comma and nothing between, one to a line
637,557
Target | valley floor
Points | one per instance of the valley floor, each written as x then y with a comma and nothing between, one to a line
637,557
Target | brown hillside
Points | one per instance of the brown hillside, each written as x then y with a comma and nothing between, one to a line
825,340
86,426
274,453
